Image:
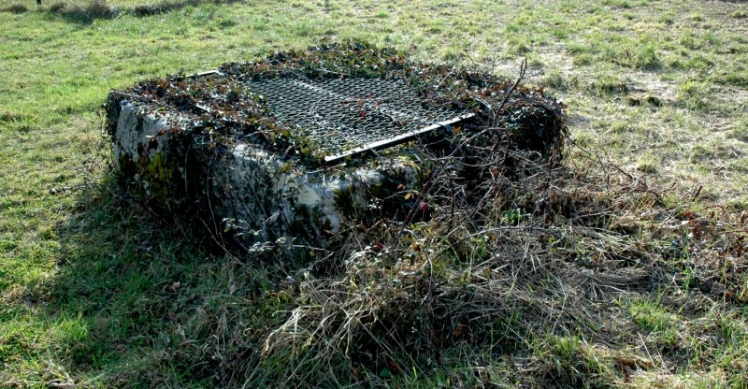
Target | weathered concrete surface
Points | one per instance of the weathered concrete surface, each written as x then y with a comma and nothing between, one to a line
252,194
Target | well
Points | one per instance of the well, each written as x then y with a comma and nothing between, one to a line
300,143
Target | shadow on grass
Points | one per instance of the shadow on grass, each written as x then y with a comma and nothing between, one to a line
160,310
156,308
100,10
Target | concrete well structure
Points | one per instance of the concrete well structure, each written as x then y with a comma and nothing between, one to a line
294,145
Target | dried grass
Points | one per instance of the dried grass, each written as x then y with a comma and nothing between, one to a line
527,265
498,246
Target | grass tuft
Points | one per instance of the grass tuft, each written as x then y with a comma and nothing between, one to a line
58,7
555,80
15,8
607,85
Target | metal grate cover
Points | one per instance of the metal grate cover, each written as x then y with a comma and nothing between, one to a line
350,113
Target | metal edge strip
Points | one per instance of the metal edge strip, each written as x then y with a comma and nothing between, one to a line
390,142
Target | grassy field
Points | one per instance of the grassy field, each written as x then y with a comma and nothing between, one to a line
653,293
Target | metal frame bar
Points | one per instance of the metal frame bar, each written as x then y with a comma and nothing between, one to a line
203,74
400,139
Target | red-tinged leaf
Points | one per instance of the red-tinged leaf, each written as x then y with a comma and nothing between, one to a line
457,331
392,365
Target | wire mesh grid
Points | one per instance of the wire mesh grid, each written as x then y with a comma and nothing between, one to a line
341,114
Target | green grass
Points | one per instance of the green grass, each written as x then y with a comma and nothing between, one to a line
97,293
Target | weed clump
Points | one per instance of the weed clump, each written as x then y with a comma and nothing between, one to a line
96,9
99,9
58,7
15,8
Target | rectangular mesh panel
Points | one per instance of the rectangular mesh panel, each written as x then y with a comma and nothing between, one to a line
342,114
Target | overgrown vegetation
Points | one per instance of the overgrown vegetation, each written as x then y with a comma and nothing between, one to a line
207,116
622,267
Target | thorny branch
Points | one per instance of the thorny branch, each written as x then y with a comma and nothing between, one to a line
427,187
